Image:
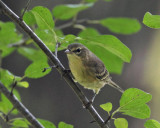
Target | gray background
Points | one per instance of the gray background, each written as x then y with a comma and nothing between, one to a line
52,99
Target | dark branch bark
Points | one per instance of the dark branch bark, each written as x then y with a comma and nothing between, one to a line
56,62
20,107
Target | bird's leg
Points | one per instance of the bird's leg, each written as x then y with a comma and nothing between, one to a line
93,98
90,102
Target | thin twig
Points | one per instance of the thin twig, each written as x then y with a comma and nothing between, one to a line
25,9
69,24
20,107
7,116
56,49
56,62
79,26
18,44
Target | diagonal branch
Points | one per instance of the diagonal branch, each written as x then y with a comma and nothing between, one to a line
20,107
56,62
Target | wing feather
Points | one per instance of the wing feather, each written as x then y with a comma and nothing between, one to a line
97,68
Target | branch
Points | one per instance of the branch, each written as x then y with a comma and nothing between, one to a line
20,107
55,62
72,23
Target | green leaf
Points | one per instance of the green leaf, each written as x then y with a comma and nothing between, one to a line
47,124
121,25
152,21
7,78
29,18
47,37
8,35
59,33
69,38
66,40
32,54
6,38
43,17
114,65
121,123
88,32
107,106
64,125
24,84
111,44
133,101
20,122
152,124
65,12
35,69
39,62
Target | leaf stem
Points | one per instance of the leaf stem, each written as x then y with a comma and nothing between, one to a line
117,110
69,24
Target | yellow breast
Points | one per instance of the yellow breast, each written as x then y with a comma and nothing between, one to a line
82,74
77,68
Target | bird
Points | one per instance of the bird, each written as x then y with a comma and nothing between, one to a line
87,69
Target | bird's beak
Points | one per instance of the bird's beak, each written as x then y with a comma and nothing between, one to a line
68,51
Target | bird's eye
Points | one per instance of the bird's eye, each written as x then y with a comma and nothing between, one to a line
78,50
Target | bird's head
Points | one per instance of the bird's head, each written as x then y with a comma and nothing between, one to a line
77,50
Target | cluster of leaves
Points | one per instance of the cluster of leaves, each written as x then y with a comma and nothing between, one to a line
23,123
42,21
132,103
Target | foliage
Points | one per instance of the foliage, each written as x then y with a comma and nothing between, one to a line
132,103
121,25
108,48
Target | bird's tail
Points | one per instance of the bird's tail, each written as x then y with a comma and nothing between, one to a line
114,85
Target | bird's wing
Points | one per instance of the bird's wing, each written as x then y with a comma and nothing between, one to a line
97,68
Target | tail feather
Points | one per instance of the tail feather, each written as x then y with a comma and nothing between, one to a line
114,85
